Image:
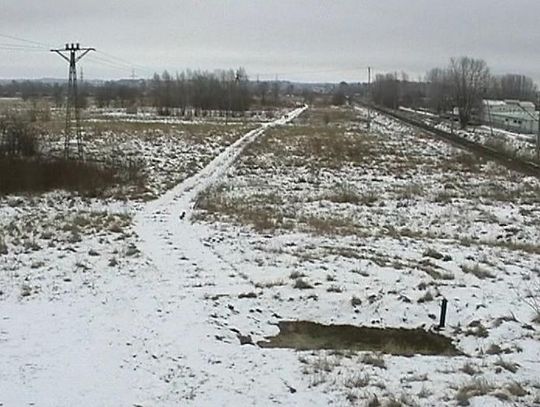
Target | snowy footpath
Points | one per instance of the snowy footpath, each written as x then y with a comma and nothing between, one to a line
147,337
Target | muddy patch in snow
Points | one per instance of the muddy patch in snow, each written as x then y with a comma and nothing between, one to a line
306,335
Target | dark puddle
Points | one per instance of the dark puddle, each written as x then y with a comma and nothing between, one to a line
305,335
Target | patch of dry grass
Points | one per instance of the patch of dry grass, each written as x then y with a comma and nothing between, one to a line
476,387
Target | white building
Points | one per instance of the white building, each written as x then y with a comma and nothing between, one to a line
511,115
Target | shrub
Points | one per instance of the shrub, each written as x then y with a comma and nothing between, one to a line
21,175
532,298
3,246
302,284
510,366
355,301
477,387
477,271
18,138
374,360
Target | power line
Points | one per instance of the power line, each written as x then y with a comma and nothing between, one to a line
100,61
18,49
21,46
312,72
126,62
118,63
12,37
112,65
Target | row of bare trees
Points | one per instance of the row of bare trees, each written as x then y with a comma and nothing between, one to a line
223,90
466,81
463,83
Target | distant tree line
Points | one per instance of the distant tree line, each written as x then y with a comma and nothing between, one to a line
224,90
463,83
227,90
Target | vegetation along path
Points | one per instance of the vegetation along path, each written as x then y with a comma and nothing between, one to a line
188,272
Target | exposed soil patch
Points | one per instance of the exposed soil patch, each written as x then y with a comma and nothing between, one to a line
306,335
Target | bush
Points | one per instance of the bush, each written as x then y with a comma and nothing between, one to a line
18,138
532,297
302,284
475,388
21,175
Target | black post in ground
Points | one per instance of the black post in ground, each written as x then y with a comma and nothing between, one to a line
72,104
444,305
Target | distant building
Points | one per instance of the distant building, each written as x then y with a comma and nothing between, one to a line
511,115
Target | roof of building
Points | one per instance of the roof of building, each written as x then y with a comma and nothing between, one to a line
516,115
520,103
491,102
509,102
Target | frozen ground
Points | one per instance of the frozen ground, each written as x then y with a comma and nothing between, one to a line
391,221
120,303
513,143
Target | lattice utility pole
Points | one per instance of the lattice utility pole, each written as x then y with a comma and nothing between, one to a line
538,133
76,53
370,99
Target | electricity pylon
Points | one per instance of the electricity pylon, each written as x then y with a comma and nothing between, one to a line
73,119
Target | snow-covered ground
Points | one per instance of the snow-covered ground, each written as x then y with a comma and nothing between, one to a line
394,221
122,303
517,144
150,115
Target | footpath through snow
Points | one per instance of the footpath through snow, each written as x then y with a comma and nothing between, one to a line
147,336
175,247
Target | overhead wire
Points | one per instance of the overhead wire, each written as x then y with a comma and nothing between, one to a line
5,44
125,62
97,58
120,64
12,37
93,60
9,48
277,74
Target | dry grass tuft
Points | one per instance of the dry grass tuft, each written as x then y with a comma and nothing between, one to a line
476,270
477,387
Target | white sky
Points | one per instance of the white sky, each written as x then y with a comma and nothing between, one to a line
311,40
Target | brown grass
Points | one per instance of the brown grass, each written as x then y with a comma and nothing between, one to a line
37,176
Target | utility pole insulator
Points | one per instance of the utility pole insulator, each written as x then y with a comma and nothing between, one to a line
73,120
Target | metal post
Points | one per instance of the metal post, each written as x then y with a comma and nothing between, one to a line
72,103
369,99
538,134
490,119
442,321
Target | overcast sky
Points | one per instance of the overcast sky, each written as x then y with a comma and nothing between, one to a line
311,40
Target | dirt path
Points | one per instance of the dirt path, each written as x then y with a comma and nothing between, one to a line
189,271
148,336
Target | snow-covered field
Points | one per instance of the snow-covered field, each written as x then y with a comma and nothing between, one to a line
514,144
124,303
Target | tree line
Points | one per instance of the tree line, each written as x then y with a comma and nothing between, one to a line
226,90
463,83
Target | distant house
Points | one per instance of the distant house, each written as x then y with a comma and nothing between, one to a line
511,115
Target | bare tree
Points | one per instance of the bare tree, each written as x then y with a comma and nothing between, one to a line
468,79
438,90
514,86
385,90
275,92
262,89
